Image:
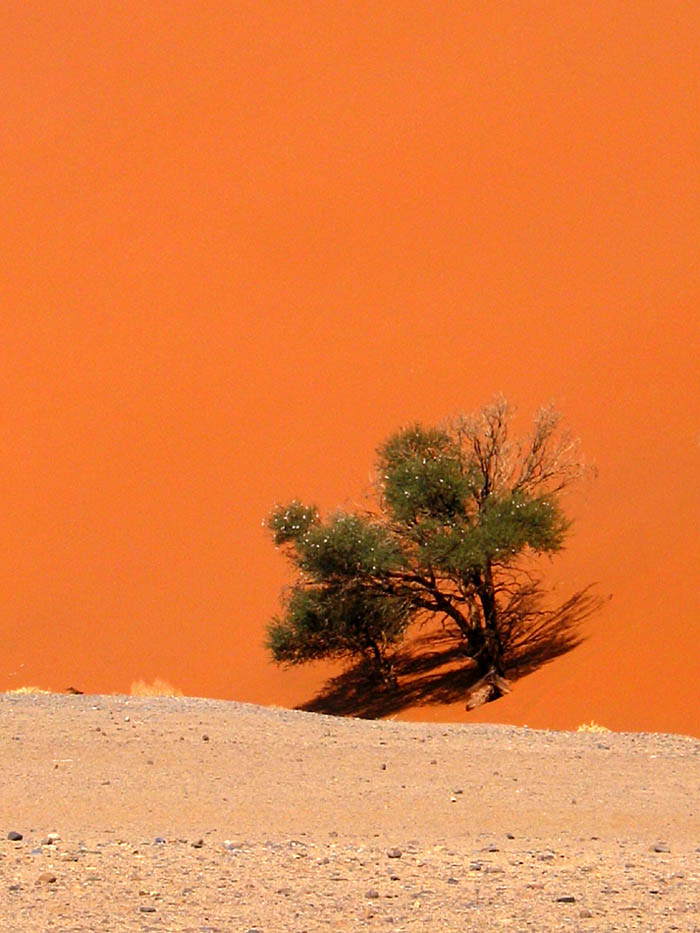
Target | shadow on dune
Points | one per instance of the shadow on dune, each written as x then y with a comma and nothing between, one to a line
433,668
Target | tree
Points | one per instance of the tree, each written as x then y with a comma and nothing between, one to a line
463,510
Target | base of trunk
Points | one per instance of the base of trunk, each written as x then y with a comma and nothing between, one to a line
489,688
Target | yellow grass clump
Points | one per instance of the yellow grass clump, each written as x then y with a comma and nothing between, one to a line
159,688
28,690
592,726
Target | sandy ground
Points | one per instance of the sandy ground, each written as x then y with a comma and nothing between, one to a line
178,814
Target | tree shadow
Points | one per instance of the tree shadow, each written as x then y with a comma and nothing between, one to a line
433,667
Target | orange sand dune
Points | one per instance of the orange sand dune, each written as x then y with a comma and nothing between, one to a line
243,242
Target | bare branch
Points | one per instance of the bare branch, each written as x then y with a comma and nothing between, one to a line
552,459
484,435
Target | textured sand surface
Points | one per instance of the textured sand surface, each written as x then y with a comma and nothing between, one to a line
245,241
202,816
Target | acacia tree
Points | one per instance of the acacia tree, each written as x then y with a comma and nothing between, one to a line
463,510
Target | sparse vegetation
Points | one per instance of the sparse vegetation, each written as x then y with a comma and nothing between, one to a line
159,688
28,690
592,726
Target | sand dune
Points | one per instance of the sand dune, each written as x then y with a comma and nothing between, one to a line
244,243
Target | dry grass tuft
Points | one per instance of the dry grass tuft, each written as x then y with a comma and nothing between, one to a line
159,688
592,726
28,690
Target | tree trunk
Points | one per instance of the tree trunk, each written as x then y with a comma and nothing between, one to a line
486,641
383,667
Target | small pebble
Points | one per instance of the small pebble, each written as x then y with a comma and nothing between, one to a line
394,853
46,878
14,836
372,894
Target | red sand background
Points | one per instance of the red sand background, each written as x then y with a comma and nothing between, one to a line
244,241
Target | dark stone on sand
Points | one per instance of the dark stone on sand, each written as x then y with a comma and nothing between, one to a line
566,899
14,836
394,853
372,894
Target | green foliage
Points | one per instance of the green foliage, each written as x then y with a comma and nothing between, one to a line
291,522
461,507
423,475
499,532
347,546
335,621
517,521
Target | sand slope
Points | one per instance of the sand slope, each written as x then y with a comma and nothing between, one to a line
245,242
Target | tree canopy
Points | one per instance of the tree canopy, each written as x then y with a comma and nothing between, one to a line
463,510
